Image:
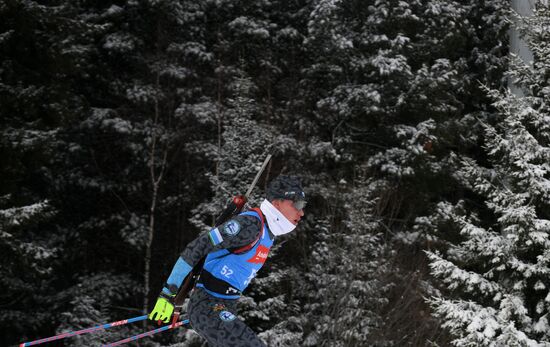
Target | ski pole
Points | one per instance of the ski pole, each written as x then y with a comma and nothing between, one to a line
149,333
83,331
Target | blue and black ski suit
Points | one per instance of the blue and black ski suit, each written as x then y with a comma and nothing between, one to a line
235,252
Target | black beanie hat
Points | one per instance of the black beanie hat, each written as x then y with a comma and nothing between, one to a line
285,188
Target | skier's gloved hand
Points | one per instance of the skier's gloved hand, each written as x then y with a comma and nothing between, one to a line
164,307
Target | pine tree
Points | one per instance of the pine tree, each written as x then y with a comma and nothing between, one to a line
92,97
497,274
243,145
27,258
388,85
36,79
347,269
148,115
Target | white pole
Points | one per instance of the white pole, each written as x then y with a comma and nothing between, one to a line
517,44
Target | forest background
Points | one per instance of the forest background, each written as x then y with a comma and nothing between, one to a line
126,126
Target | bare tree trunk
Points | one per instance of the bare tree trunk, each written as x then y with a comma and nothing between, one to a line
155,182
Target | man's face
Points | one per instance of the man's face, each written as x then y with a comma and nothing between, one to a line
286,207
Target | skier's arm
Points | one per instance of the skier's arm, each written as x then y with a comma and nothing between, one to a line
237,232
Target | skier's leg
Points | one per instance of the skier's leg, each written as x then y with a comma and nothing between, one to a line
215,320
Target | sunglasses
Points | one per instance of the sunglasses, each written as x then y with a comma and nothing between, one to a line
298,199
299,204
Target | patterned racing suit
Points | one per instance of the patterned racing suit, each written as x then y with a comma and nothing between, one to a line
234,251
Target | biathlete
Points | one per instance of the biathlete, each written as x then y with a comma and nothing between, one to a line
235,251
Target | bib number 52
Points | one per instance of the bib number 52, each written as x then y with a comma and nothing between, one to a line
226,271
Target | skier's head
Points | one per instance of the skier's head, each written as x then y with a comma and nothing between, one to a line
287,195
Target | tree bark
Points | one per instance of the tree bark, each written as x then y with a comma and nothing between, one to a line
155,182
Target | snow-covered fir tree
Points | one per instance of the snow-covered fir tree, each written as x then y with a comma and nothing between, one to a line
35,106
389,84
497,270
120,140
242,146
363,99
27,258
347,268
